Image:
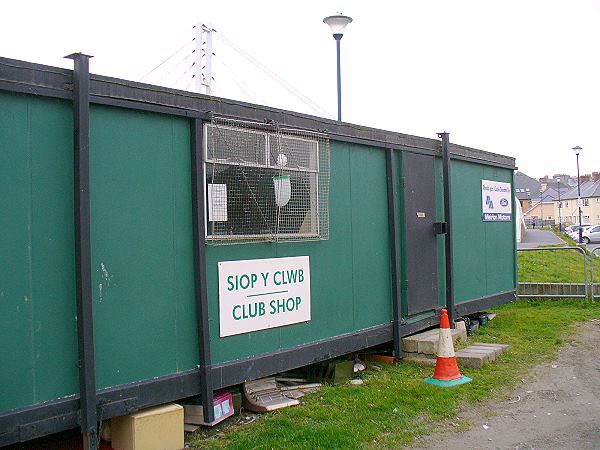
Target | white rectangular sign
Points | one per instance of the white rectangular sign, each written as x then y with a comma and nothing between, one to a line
496,199
257,294
217,202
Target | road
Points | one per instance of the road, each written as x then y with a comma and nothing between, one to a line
534,238
557,406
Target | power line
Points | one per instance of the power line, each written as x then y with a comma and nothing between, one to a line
168,58
293,90
184,73
170,71
233,78
191,80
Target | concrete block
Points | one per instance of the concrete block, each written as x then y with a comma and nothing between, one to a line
461,325
494,353
427,341
498,348
158,428
459,332
428,344
410,344
502,347
470,360
488,354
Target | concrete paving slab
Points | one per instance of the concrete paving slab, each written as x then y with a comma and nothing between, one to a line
472,360
493,351
427,341
486,353
499,348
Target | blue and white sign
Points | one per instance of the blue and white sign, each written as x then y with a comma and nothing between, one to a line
496,201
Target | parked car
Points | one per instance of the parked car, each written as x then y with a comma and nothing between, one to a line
575,227
573,230
591,234
575,234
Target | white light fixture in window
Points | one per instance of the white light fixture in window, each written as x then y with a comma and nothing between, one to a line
283,190
282,183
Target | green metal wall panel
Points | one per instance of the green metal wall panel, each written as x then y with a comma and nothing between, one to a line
350,272
500,242
370,238
142,251
37,286
483,251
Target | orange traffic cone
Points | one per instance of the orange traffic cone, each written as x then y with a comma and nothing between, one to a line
446,369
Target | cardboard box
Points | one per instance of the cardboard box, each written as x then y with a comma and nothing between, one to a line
157,428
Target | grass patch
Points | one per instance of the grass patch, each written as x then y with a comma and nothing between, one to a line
394,406
552,266
565,237
556,266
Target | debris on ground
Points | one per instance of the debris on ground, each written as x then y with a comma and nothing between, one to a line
359,366
193,412
269,394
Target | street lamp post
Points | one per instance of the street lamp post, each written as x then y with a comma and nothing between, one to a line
337,24
559,206
542,208
577,149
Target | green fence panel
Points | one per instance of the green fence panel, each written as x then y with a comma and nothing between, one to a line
38,327
142,245
483,251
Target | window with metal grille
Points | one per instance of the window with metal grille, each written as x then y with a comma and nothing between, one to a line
265,183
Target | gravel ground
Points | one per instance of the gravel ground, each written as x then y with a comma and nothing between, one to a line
557,406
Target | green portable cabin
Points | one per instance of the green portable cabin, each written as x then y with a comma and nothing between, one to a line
158,244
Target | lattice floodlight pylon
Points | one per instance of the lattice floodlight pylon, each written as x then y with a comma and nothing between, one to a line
265,182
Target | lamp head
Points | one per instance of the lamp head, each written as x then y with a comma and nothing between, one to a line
577,149
337,23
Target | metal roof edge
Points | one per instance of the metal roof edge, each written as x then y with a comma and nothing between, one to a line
31,77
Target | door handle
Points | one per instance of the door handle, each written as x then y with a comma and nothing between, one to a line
440,227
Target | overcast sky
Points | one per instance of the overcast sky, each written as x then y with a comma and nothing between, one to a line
516,77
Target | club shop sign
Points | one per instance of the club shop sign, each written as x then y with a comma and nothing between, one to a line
496,201
257,294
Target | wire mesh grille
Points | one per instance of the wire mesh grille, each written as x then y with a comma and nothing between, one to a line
265,183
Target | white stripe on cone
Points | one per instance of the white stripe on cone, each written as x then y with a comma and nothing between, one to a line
445,347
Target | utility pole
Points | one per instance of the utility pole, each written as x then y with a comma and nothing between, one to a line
542,208
559,205
204,54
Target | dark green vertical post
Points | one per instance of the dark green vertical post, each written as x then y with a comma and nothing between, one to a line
445,137
198,215
393,227
83,250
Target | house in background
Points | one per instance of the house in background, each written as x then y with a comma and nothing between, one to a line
541,201
590,208
527,190
543,209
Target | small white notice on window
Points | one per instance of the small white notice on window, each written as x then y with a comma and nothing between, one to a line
217,202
